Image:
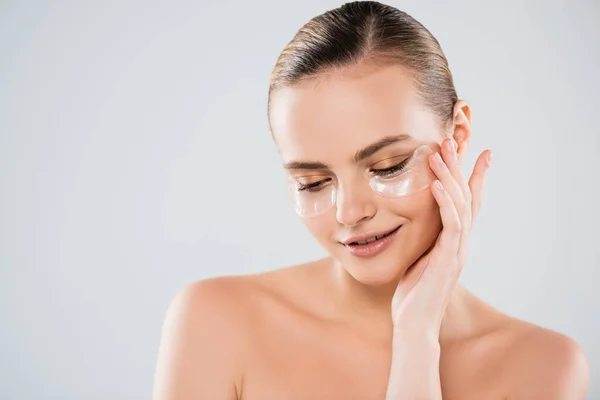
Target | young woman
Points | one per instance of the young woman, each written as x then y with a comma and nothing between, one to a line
366,118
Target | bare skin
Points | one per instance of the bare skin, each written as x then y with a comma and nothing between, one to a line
287,338
324,330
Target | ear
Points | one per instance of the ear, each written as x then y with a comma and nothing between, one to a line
461,126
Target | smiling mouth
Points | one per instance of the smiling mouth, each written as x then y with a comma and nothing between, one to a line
374,238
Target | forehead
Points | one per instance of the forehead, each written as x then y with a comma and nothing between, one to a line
341,112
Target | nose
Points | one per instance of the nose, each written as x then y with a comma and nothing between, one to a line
354,204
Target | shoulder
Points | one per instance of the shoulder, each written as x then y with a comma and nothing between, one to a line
210,297
203,339
544,364
231,301
211,304
218,308
208,332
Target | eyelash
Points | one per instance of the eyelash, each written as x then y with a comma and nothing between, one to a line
391,170
316,186
312,187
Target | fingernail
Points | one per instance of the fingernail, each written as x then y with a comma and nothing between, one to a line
438,158
438,185
489,158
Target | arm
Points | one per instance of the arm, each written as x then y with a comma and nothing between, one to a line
199,353
414,374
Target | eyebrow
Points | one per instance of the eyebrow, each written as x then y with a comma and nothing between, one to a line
358,156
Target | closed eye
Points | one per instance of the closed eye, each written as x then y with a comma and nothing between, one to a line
313,187
386,172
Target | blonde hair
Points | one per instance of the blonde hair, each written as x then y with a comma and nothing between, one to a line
368,32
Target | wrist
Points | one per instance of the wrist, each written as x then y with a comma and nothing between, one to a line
425,336
414,371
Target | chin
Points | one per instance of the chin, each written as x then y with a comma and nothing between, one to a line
374,276
381,270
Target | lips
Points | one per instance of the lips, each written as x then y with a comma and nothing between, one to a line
372,244
369,238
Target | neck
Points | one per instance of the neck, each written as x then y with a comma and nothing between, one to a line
369,306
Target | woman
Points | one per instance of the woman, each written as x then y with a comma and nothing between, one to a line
364,112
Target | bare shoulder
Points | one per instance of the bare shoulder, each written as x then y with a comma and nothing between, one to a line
217,305
233,301
544,364
201,351
208,330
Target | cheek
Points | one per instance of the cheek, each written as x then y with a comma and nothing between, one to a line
422,212
417,207
320,227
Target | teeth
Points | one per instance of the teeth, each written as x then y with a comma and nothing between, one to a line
371,240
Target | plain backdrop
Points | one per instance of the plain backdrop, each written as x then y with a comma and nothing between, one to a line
135,158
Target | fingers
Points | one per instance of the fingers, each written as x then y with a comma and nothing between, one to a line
452,224
477,180
458,200
451,160
467,196
444,267
448,172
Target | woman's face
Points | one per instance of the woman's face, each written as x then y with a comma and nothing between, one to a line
329,121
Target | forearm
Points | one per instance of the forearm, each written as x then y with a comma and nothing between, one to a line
415,372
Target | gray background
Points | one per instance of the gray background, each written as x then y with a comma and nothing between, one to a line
135,157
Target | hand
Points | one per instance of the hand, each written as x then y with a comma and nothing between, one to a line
422,295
